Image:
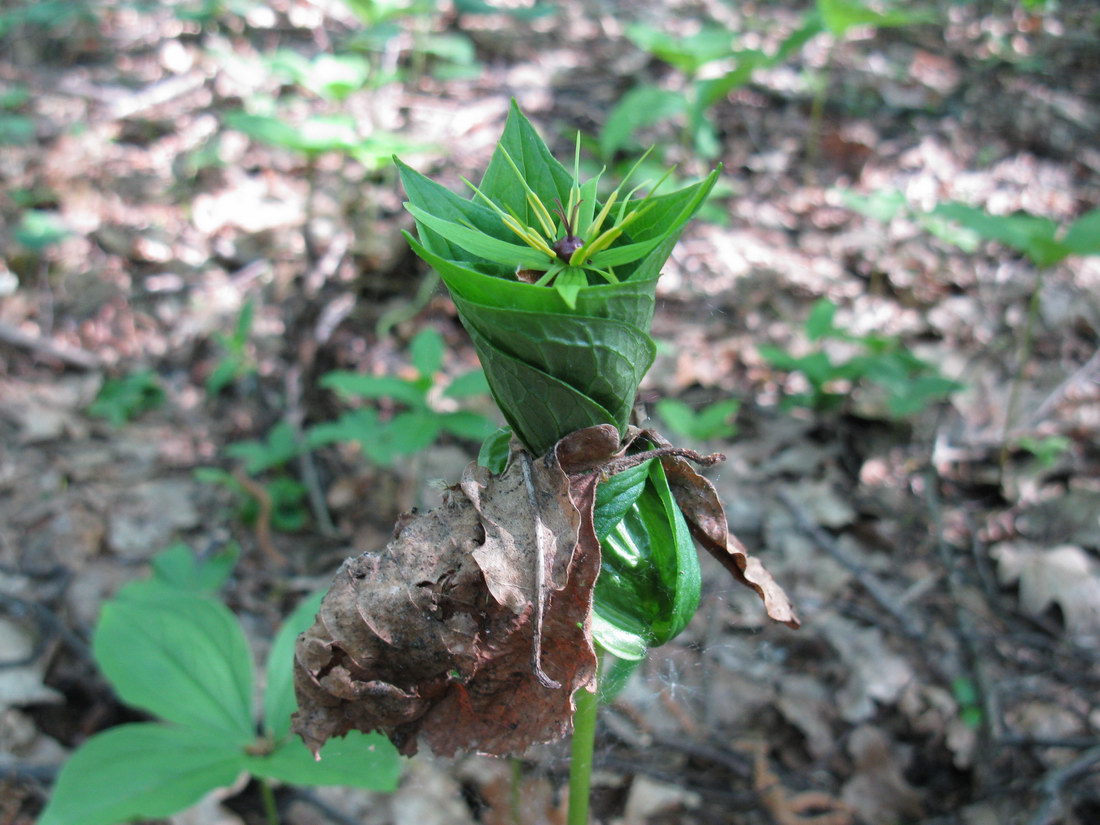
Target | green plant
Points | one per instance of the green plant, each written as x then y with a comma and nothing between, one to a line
560,324
15,129
966,694
39,229
1047,450
421,414
172,650
1040,239
645,105
908,383
580,538
126,397
282,495
711,421
235,362
839,18
318,135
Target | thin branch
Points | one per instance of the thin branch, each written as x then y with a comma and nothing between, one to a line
70,356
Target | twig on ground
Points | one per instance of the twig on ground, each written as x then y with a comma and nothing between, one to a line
992,723
328,264
263,517
1052,785
70,356
911,627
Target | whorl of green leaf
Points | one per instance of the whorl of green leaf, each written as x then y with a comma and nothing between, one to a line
556,361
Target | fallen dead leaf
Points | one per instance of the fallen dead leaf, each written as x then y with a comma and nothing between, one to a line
877,789
1064,576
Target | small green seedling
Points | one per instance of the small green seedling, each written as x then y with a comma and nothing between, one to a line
319,135
39,229
712,421
1039,239
1047,450
646,105
236,362
15,129
419,421
172,650
121,399
286,495
970,709
908,383
331,77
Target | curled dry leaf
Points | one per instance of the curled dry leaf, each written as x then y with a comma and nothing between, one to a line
472,627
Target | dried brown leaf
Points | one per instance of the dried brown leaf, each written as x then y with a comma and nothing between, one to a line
706,517
471,627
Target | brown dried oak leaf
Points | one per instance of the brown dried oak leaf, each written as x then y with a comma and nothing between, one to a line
472,628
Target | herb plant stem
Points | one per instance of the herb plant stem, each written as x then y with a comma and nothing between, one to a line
271,811
580,765
817,114
514,791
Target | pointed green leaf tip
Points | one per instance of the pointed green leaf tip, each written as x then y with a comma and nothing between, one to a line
550,281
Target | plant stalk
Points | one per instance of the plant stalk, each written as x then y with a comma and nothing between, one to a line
271,811
580,765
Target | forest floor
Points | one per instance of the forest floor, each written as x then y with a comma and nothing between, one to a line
945,561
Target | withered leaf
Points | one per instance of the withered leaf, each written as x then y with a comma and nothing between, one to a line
706,517
472,627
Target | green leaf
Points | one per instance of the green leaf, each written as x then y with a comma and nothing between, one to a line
616,495
180,657
881,206
840,16
640,107
16,130
430,196
280,447
361,426
467,424
467,385
820,322
404,434
356,385
120,399
710,422
141,771
180,568
479,243
1083,237
713,421
356,760
542,172
631,302
279,699
426,351
494,451
1029,234
539,407
688,54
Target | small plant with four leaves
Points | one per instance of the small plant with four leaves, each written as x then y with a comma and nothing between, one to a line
423,413
170,648
907,383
